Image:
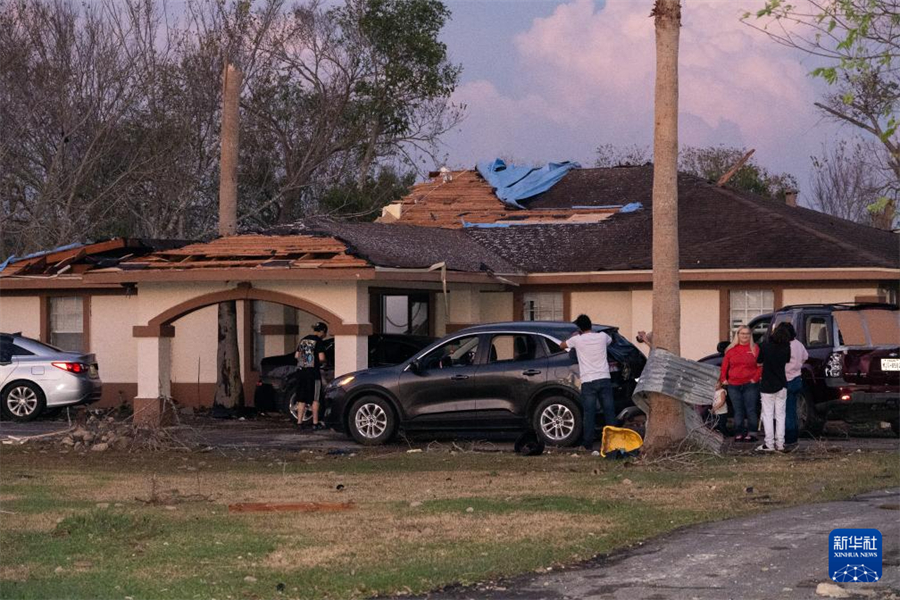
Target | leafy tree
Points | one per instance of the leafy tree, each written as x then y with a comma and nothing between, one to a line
858,42
714,161
348,201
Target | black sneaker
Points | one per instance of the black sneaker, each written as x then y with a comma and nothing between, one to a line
318,427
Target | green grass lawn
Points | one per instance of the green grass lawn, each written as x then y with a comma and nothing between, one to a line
157,525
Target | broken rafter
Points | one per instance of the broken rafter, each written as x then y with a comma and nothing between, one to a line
737,167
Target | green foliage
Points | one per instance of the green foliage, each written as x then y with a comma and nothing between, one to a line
365,204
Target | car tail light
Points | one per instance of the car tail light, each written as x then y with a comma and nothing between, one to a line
71,367
835,365
845,398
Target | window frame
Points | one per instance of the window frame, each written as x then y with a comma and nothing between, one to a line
47,315
750,313
542,311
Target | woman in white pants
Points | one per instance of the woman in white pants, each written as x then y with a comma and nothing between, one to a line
774,354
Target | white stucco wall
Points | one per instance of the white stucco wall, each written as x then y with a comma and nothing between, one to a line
20,313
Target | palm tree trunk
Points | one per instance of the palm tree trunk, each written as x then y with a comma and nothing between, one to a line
229,389
665,423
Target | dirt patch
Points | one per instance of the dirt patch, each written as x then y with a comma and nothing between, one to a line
14,572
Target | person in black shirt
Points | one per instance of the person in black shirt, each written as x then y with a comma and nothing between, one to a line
310,355
774,354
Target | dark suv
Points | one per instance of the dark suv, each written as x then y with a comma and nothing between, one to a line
853,371
502,376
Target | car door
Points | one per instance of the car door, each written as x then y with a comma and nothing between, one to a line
513,366
437,392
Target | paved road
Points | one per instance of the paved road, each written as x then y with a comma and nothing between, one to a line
778,555
277,433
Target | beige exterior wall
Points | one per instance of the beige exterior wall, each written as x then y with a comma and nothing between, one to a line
194,346
816,296
608,308
699,322
496,307
20,313
111,341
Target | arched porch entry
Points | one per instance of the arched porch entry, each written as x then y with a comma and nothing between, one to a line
155,339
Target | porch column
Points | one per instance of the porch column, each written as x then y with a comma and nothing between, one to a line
351,353
154,379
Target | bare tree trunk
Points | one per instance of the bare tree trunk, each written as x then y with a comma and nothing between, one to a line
368,157
229,389
231,118
665,423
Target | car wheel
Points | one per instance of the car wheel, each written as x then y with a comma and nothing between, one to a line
292,409
23,401
808,419
557,421
371,421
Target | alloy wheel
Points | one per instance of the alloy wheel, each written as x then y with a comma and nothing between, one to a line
21,401
557,422
371,420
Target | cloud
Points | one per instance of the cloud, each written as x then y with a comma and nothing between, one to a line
586,76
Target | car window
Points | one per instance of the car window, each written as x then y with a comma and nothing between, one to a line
552,347
760,328
818,331
19,351
395,352
512,347
458,352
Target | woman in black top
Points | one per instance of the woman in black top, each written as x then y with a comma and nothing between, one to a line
774,354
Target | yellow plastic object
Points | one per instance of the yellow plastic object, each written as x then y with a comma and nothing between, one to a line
619,438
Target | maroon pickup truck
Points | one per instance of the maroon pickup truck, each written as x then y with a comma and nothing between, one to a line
853,371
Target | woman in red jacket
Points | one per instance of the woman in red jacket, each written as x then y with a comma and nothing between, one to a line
740,374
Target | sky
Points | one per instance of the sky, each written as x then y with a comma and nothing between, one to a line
550,80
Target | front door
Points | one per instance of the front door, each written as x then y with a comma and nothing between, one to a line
514,366
438,394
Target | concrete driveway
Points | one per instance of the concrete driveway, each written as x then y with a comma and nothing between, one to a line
778,555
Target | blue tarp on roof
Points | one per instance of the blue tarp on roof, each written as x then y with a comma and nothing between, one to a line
513,183
13,258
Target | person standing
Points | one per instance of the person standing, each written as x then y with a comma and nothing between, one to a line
310,355
593,367
740,376
774,356
792,372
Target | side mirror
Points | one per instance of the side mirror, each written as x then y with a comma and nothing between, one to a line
416,367
722,346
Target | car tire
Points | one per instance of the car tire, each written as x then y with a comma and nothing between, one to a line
557,421
808,419
23,401
291,409
371,421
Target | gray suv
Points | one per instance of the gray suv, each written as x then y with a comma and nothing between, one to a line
36,378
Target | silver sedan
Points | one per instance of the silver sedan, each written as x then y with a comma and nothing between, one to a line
37,378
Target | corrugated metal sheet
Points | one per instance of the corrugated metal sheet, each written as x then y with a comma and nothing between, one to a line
685,380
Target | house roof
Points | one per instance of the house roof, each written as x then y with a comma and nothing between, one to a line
719,228
468,198
74,259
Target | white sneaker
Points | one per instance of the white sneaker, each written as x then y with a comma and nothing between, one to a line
764,448
595,453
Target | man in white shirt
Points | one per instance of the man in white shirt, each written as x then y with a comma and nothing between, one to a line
593,367
792,372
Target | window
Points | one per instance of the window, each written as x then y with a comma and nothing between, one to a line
818,332
512,348
405,313
543,306
459,352
67,322
747,304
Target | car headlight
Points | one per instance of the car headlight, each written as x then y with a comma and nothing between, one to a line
344,381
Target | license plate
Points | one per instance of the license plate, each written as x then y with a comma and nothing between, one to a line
890,364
